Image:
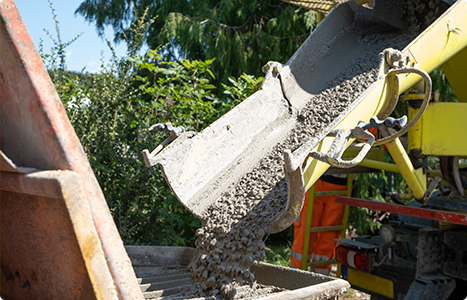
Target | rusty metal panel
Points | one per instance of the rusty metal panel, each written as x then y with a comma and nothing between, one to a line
49,237
40,257
35,132
49,246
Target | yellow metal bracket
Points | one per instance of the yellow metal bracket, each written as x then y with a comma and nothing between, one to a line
415,179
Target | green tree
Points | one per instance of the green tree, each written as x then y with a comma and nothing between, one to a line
242,35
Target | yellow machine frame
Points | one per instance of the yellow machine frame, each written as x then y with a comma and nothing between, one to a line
442,44
437,132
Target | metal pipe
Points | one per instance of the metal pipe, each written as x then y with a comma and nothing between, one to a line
434,173
431,214
414,178
327,228
457,177
330,193
345,219
402,160
309,214
380,165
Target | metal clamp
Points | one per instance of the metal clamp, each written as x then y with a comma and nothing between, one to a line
393,63
175,132
342,137
334,155
387,123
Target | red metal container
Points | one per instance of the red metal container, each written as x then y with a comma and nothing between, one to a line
54,225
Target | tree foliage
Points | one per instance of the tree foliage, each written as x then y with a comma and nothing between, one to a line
242,35
111,116
442,86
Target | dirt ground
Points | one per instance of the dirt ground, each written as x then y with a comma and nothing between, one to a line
355,295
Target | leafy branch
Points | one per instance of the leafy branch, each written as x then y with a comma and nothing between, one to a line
58,50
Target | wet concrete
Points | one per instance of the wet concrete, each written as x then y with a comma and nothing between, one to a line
232,237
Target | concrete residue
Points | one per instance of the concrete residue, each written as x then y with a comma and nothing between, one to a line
231,238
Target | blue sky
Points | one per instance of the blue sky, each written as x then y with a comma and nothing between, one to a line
85,51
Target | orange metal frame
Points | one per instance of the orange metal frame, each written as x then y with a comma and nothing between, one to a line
36,132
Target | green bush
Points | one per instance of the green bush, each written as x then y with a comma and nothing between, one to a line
111,111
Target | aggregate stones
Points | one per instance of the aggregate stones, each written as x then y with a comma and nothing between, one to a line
233,235
232,238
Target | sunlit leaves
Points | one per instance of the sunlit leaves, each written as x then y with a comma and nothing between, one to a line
243,35
111,111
